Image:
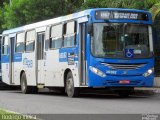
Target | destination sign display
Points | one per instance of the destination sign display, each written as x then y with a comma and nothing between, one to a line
106,15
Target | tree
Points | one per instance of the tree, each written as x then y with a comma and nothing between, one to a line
2,1
155,10
71,6
22,12
37,10
1,19
136,4
13,14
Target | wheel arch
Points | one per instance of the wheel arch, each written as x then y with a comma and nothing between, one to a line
65,75
22,71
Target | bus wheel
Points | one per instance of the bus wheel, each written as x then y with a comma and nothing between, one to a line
24,88
69,88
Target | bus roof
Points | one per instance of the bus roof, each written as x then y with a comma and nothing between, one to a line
65,18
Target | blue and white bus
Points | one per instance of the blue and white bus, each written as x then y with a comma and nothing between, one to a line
95,48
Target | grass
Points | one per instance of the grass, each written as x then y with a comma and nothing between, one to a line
8,115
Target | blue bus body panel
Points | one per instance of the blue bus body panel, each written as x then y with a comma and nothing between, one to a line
114,76
68,55
5,58
16,58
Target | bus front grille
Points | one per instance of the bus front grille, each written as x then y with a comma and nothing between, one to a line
123,66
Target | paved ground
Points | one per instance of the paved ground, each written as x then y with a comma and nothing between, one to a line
53,103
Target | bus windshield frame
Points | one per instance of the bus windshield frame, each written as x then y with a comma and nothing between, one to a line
110,40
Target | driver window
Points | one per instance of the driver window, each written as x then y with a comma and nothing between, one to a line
109,38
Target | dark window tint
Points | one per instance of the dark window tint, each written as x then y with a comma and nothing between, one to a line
69,34
5,45
30,41
40,45
56,37
20,42
47,36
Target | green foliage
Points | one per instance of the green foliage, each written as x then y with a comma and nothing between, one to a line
155,10
2,1
1,19
21,12
72,6
136,4
37,10
13,14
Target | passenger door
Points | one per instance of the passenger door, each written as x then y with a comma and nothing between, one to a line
5,59
40,57
11,57
82,53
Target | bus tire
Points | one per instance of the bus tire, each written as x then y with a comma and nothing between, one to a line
24,88
69,88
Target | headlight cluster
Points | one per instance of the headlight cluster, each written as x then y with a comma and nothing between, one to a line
97,71
100,73
148,72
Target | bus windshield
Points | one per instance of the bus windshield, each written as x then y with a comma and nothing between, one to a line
111,40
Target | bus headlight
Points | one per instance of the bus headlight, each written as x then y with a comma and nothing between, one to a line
148,72
97,71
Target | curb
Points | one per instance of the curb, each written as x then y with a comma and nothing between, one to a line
148,90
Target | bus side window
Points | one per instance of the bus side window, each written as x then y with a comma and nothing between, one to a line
47,36
56,37
69,34
5,45
30,41
20,42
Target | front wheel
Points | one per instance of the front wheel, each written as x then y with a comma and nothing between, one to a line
25,88
69,88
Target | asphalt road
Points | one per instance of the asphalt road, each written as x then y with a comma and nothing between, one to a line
54,103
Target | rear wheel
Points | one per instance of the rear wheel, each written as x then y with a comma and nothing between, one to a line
69,88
